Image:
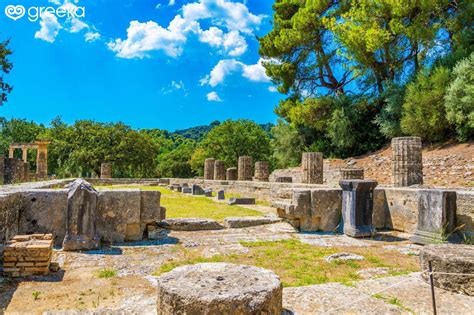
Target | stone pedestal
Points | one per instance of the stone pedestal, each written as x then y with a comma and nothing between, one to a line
351,173
436,216
407,164
209,168
219,288
81,217
357,206
219,170
245,168
231,173
262,171
312,164
106,170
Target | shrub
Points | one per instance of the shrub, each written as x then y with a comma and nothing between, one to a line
459,99
423,112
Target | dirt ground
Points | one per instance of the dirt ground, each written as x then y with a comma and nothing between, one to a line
78,288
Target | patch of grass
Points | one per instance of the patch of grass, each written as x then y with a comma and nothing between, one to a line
179,205
394,301
106,273
36,295
299,264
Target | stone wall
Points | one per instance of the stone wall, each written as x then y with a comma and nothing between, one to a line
465,210
10,206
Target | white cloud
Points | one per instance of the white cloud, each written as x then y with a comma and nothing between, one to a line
234,17
213,97
226,67
91,36
171,3
49,27
158,5
272,89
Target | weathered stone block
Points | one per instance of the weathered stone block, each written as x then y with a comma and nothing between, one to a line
197,190
209,168
312,164
436,216
407,164
191,224
241,201
220,195
245,168
357,207
326,209
231,173
219,170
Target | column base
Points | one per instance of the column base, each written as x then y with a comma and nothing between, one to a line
359,231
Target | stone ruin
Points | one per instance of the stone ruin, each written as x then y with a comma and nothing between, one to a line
245,168
41,157
351,173
106,170
219,170
231,173
209,168
407,164
312,163
262,171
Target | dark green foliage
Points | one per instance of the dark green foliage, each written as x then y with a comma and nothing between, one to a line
197,133
287,144
389,117
5,66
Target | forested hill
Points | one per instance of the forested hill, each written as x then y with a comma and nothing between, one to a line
199,132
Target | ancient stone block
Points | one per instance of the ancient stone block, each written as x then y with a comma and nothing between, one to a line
453,265
326,209
106,170
231,173
283,179
357,206
351,173
150,211
219,170
208,192
209,168
436,216
81,233
407,166
245,168
28,255
241,201
262,171
219,288
197,190
220,195
187,190
312,164
191,224
243,222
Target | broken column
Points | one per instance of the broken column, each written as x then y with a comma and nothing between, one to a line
81,233
312,164
262,171
407,164
351,173
357,206
245,168
26,171
42,159
436,216
219,288
209,168
105,170
231,173
219,170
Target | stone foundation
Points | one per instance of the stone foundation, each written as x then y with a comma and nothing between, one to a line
28,255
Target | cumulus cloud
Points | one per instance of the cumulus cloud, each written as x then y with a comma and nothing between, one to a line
171,3
213,97
226,67
235,18
49,28
91,36
272,89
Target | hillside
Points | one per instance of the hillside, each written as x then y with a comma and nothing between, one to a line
199,132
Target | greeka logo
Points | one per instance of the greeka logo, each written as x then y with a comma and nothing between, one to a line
16,12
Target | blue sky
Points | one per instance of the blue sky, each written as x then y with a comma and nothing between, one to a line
149,63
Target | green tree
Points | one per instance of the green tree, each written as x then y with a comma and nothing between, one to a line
6,67
459,99
177,162
389,117
232,139
423,112
287,144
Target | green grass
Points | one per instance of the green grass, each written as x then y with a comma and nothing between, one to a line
394,301
106,273
298,264
179,205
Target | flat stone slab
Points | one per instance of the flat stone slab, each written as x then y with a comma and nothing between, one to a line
243,222
343,256
241,201
219,288
191,224
450,258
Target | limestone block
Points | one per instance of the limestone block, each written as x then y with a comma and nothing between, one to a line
219,170
191,224
312,164
219,288
209,168
245,168
241,201
231,173
326,209
243,222
407,164
220,195
262,171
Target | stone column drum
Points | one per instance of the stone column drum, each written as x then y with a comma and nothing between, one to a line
106,170
219,288
357,206
219,170
407,164
42,160
312,164
351,173
262,171
436,216
245,168
209,168
231,173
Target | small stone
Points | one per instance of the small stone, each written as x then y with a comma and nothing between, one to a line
220,195
343,256
241,201
54,267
